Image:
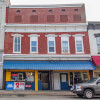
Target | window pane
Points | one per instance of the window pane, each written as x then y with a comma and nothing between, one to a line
79,43
18,39
15,39
15,48
65,43
33,43
18,47
79,49
51,43
51,49
34,49
98,40
98,47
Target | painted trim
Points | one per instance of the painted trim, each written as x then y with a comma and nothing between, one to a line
76,46
8,76
36,80
20,70
64,35
50,35
14,44
76,35
46,6
54,45
33,35
17,35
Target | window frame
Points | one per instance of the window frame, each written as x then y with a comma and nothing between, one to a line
14,44
81,38
54,44
97,44
34,37
63,39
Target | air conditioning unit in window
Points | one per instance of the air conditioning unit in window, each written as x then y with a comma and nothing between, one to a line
65,51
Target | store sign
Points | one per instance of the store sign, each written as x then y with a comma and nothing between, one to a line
9,85
28,85
19,85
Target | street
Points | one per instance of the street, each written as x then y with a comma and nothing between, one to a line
39,97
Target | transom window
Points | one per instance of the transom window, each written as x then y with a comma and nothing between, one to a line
65,44
51,44
79,44
98,44
34,44
17,45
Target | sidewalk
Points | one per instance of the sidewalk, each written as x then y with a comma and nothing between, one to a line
30,92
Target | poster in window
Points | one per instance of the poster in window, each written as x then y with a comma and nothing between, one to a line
19,85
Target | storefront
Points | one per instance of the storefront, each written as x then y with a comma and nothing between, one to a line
96,62
45,75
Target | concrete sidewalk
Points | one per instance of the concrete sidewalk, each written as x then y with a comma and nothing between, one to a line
30,92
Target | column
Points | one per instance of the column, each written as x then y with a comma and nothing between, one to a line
36,80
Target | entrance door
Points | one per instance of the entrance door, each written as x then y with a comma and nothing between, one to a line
64,81
45,80
56,81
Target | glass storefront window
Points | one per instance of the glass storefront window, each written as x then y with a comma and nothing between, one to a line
22,76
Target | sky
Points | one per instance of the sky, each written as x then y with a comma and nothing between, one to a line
92,6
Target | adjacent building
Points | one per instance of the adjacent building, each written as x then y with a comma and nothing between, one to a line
46,47
3,4
94,38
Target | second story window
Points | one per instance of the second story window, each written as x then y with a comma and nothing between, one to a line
98,43
65,44
17,43
51,44
79,44
34,44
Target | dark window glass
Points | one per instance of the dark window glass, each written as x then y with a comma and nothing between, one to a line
18,11
63,10
33,10
75,9
50,10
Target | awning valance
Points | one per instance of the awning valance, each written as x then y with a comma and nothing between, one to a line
48,65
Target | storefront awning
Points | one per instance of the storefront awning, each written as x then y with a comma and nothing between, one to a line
48,65
96,60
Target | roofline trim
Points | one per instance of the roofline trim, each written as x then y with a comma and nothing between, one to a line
46,6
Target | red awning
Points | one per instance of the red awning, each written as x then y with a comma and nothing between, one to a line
96,60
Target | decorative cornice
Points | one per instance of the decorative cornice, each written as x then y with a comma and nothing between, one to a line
64,35
51,35
17,35
33,35
78,35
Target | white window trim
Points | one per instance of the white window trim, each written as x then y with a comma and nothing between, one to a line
51,35
67,36
33,35
14,43
82,46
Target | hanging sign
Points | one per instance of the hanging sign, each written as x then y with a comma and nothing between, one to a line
19,85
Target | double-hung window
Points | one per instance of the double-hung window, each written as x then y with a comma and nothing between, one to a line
34,44
98,43
65,44
79,44
51,44
17,45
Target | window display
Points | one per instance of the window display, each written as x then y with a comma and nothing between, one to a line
22,76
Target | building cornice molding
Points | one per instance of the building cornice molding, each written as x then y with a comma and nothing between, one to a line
46,6
78,35
33,35
45,57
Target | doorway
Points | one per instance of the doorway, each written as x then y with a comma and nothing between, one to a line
64,81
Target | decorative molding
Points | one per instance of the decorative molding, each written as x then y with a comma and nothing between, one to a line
51,35
78,35
45,57
64,35
33,35
17,35
76,27
46,6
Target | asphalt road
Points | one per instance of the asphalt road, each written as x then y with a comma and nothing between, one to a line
38,97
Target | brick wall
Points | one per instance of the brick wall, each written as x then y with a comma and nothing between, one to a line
42,13
42,43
